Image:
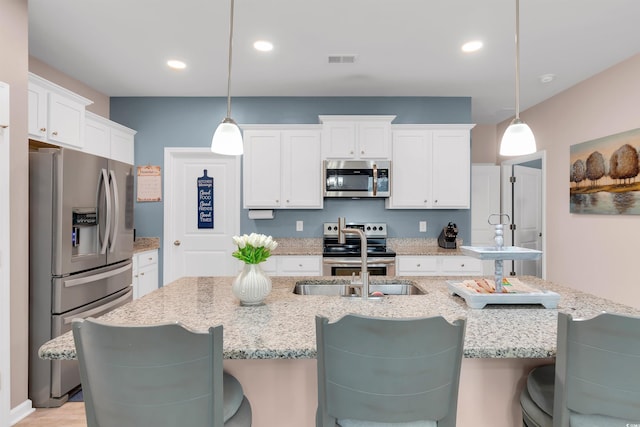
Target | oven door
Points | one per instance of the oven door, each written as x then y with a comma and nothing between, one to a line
332,266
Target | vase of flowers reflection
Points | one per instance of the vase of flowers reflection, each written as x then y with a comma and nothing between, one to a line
252,286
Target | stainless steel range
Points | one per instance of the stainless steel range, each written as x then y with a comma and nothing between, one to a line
344,259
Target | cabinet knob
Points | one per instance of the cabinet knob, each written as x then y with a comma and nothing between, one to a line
54,133
287,200
351,152
418,265
362,152
43,129
435,201
142,274
425,200
462,265
151,259
176,243
277,201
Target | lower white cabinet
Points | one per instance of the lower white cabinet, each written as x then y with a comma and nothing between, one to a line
292,265
145,273
430,265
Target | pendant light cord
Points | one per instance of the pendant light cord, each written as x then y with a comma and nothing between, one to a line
230,56
517,59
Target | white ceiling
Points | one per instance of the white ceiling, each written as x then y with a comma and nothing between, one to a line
403,47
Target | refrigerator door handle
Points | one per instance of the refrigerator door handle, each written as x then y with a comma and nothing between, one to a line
96,277
107,195
116,212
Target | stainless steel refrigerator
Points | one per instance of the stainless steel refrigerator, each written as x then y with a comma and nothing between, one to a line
80,246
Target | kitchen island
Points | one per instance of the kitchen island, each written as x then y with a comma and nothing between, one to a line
271,348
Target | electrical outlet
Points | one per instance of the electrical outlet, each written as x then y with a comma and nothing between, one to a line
299,225
423,226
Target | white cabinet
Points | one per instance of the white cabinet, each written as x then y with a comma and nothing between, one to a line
55,114
356,137
299,265
291,265
433,265
407,265
109,139
282,168
4,105
145,273
431,167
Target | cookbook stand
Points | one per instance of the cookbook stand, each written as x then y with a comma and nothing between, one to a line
522,294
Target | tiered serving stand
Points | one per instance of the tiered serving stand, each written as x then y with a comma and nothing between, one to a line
499,253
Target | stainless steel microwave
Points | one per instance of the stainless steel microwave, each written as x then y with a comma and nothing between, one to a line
356,178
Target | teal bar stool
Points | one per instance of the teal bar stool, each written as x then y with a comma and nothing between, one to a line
388,372
156,376
595,381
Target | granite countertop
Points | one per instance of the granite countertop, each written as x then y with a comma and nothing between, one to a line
284,327
142,244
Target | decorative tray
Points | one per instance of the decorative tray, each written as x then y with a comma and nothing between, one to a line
479,292
506,252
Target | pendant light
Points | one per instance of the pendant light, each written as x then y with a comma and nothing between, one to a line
518,139
227,138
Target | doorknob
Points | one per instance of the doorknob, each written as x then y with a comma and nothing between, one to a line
176,243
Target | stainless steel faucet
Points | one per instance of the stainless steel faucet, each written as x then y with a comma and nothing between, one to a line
364,274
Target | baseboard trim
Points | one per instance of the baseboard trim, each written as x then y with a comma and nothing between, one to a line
20,412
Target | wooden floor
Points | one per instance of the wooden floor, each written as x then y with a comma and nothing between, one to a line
71,414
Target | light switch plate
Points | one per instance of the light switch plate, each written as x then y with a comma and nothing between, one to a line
423,226
299,225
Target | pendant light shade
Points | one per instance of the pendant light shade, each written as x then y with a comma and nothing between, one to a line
227,138
518,139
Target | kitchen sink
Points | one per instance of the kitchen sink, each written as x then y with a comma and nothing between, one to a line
341,287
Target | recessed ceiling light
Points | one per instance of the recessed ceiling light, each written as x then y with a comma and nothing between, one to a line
263,46
547,78
472,46
175,64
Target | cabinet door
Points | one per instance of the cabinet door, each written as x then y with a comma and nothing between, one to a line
451,169
96,136
416,265
460,266
66,121
302,265
411,170
301,169
37,110
121,146
4,105
145,273
374,140
261,169
339,140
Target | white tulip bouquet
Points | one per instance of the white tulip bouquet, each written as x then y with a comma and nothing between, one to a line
254,248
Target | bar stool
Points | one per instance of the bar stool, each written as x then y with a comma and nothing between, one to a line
388,372
596,377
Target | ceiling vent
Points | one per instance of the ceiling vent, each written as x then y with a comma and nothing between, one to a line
342,59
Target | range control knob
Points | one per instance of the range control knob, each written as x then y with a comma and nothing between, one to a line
380,228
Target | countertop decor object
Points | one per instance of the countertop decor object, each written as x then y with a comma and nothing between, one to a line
252,286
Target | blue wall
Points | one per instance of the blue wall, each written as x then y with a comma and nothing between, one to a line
190,122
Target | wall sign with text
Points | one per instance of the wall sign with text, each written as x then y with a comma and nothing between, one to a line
205,201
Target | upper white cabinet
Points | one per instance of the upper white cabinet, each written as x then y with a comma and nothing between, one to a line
4,105
431,167
282,167
109,139
56,115
356,137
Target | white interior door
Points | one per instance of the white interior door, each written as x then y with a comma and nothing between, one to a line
527,215
485,201
189,250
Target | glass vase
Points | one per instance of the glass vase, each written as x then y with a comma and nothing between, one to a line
251,286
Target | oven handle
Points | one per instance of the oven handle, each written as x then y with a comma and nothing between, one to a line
101,309
390,260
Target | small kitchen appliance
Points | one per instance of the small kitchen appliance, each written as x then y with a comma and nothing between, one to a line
448,235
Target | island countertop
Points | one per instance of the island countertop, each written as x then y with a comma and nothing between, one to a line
284,327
